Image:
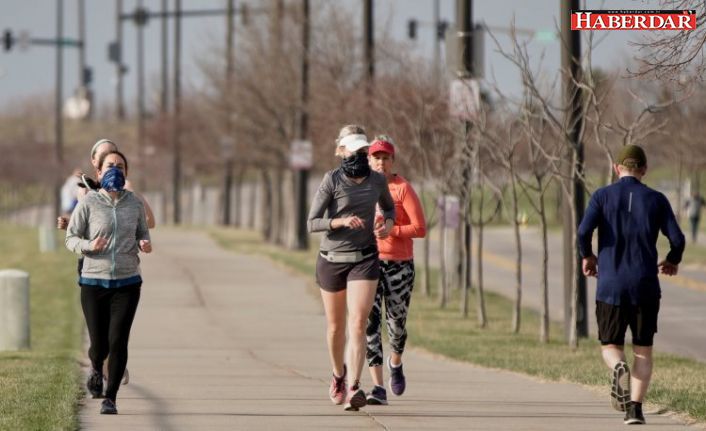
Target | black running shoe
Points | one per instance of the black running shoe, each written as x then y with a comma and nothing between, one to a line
108,407
94,384
398,382
377,397
620,387
633,414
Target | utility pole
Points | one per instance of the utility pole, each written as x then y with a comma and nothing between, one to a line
84,73
571,65
302,173
119,68
228,143
176,121
58,118
369,30
164,91
437,48
141,90
464,28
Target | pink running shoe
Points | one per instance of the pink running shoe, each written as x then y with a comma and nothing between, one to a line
337,391
355,399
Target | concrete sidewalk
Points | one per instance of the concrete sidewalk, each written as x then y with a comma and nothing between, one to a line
227,341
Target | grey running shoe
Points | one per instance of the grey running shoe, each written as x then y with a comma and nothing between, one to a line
126,377
398,383
108,407
94,384
620,387
633,414
355,399
378,396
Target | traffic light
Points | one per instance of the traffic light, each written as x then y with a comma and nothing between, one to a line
114,53
141,16
87,76
8,40
412,29
441,28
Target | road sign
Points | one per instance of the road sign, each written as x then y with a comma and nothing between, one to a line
464,99
301,155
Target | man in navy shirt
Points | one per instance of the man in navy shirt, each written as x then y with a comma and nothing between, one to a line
629,216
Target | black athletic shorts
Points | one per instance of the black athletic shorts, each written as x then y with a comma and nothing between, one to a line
332,277
613,321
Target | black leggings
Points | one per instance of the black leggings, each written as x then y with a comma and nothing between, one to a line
109,314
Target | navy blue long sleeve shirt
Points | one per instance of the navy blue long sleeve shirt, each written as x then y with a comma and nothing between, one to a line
629,216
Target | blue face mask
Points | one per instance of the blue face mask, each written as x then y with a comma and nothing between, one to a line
113,180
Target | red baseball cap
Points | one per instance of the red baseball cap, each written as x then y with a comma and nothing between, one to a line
381,146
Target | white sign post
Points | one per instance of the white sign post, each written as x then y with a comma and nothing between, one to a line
464,99
301,155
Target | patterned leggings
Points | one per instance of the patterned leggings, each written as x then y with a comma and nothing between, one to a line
395,286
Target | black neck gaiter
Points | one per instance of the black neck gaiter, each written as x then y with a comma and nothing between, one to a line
356,165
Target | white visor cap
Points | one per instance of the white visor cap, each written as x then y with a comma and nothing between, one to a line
354,143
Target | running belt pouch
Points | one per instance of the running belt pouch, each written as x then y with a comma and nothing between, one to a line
343,256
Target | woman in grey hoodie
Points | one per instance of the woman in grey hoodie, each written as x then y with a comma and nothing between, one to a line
109,228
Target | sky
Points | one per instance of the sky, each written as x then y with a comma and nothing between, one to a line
31,72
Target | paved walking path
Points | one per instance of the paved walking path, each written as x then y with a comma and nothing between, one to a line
227,341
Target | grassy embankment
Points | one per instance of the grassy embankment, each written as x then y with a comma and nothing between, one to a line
40,387
678,384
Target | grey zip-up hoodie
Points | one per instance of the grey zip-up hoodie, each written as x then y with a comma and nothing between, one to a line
122,222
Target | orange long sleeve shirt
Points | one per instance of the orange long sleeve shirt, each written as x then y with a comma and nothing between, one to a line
409,222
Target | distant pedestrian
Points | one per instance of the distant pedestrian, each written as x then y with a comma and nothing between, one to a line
629,216
109,228
69,193
694,206
347,268
396,274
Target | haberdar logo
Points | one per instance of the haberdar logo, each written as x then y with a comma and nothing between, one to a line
674,20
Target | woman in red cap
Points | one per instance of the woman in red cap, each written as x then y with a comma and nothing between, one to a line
396,273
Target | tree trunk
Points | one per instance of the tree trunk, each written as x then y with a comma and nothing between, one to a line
467,263
426,279
573,331
544,283
238,198
266,204
443,288
482,320
680,180
252,207
517,311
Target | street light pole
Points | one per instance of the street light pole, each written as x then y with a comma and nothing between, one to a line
58,118
571,64
302,173
437,48
164,99
228,152
141,96
368,26
464,27
176,121
119,68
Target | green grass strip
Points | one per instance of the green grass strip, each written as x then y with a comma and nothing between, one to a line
40,388
678,384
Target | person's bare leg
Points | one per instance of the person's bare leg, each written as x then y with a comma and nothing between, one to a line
395,359
612,354
376,375
335,309
641,372
361,294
